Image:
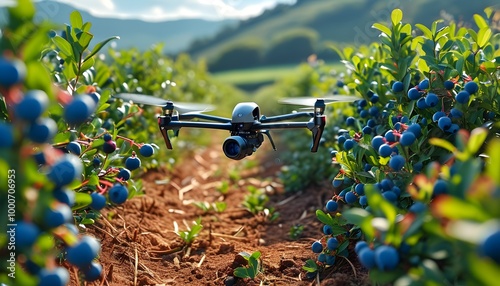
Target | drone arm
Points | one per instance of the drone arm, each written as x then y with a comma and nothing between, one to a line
317,132
189,116
286,117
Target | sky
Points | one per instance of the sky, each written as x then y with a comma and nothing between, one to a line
160,10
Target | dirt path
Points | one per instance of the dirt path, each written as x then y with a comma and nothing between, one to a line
140,247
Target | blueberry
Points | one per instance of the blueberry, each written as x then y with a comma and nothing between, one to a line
124,174
317,247
109,147
360,189
431,99
349,144
57,215
42,130
414,94
92,272
26,234
366,257
350,197
456,113
471,87
146,150
68,168
332,243
417,207
421,103
449,85
397,86
415,129
363,200
360,245
462,97
444,123
98,201
58,276
377,141
83,252
490,246
385,150
12,71
32,105
440,187
424,84
436,116
386,257
65,196
79,110
118,194
397,162
74,147
350,121
331,206
327,230
7,135
390,196
407,138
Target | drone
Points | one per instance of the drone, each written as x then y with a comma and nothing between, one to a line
247,126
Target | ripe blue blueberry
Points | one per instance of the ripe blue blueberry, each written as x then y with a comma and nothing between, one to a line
366,257
327,229
7,135
444,123
332,206
421,103
415,129
12,71
83,252
58,276
385,150
350,197
471,87
386,257
462,97
317,247
57,215
397,162
42,130
407,138
436,116
330,259
68,168
132,163
332,243
389,136
440,187
424,84
74,147
360,245
32,105
490,246
386,184
397,86
377,141
375,98
350,121
453,128
374,111
431,99
364,113
92,272
349,144
371,123
390,196
456,113
26,234
360,189
417,207
124,174
322,257
96,162
337,182
363,200
98,201
65,196
118,194
146,150
79,110
449,85
414,94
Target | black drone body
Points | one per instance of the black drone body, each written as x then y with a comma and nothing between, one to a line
247,126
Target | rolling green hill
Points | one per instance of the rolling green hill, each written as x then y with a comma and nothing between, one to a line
338,21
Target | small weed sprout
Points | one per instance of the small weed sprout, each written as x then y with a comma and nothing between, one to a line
254,266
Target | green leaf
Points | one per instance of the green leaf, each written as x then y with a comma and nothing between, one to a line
476,140
480,21
324,217
454,208
382,28
97,143
442,143
64,47
86,65
396,16
100,45
483,36
84,39
75,19
361,218
62,137
377,202
310,266
427,33
493,162
82,200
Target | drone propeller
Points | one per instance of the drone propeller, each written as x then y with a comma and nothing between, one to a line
310,101
181,107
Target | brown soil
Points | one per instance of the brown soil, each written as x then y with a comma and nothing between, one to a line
140,247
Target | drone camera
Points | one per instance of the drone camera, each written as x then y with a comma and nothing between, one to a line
238,147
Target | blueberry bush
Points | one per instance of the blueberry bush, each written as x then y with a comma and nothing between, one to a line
68,149
418,159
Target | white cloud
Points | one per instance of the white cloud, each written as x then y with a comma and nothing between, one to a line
157,10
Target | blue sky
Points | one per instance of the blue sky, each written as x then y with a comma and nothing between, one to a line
157,10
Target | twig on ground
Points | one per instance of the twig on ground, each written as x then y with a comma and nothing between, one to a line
352,266
136,264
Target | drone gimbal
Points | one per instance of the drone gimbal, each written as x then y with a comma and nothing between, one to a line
247,126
